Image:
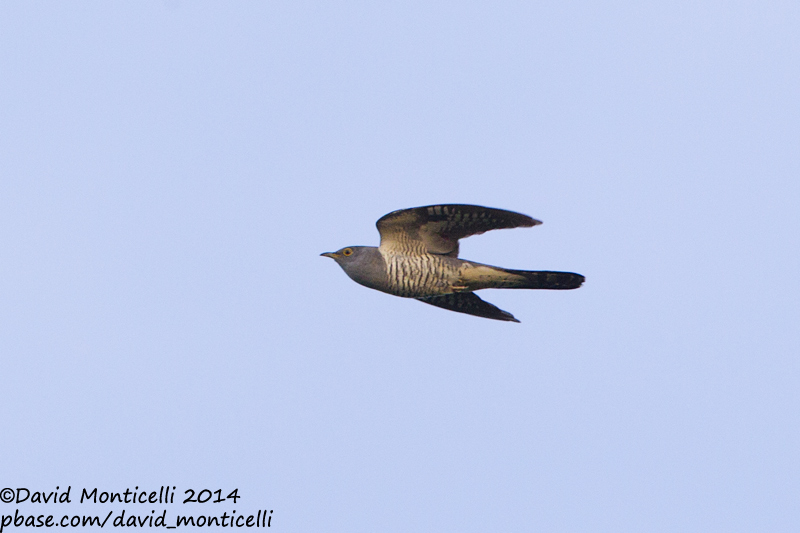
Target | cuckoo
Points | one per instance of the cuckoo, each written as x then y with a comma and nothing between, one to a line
418,258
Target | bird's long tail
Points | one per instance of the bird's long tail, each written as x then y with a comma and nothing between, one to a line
476,276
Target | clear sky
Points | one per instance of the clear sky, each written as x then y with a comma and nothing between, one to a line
170,172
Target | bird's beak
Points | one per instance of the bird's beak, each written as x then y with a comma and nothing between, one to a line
332,255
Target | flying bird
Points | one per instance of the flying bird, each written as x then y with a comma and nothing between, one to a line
418,258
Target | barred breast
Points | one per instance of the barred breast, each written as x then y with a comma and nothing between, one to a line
417,275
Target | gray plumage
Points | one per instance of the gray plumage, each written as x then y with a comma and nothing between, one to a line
418,258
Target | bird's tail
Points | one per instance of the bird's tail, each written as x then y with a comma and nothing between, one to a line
476,276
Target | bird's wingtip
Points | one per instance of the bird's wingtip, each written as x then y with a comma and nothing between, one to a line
508,317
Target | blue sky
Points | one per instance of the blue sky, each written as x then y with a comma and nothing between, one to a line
172,170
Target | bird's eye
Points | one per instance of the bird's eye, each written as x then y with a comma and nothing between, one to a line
347,252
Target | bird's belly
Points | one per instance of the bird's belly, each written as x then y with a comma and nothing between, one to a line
415,276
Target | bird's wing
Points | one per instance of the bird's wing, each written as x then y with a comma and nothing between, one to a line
436,228
469,303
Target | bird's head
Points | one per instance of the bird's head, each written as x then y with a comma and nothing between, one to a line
363,264
349,256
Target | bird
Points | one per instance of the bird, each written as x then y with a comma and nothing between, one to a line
418,258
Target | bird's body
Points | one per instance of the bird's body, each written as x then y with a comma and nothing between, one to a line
418,258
